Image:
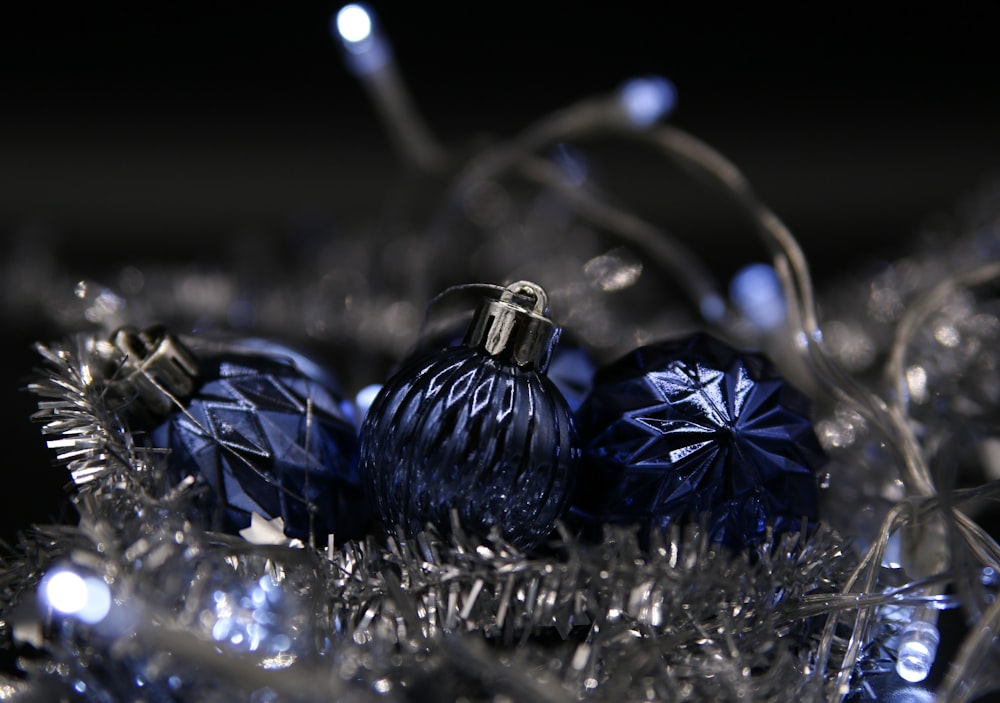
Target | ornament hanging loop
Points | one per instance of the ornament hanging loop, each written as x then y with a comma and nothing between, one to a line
514,328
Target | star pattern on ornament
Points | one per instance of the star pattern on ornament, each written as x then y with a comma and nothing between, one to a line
706,412
686,428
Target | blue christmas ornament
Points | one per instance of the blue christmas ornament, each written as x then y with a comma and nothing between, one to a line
678,431
477,429
266,431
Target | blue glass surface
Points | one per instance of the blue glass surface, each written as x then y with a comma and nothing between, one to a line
571,370
682,430
270,439
458,430
571,366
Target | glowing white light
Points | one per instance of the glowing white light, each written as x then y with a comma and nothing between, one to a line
917,650
756,290
647,100
365,398
365,49
87,599
98,601
65,591
354,23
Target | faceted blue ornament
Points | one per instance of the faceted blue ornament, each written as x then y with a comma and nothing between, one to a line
264,430
476,429
694,429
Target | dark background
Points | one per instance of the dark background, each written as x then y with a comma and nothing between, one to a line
142,131
144,127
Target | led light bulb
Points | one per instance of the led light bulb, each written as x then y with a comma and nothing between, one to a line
647,100
365,49
354,23
756,291
918,645
85,598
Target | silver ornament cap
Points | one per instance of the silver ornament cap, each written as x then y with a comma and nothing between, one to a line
157,366
514,328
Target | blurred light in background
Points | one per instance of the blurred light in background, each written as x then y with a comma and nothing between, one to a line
756,292
87,599
365,49
648,99
354,24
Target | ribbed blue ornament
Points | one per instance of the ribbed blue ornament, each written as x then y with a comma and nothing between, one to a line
460,429
268,435
693,429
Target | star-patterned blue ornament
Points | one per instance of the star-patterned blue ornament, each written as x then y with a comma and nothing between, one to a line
260,425
696,430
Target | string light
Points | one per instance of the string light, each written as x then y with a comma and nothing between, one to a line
756,291
917,648
354,24
368,55
85,598
647,100
366,50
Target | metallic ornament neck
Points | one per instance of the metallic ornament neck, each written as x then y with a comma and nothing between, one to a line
157,366
514,328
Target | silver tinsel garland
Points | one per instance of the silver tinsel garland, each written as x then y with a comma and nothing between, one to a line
902,365
428,618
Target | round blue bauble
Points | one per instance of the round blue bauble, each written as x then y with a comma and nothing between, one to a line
459,430
695,430
269,433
